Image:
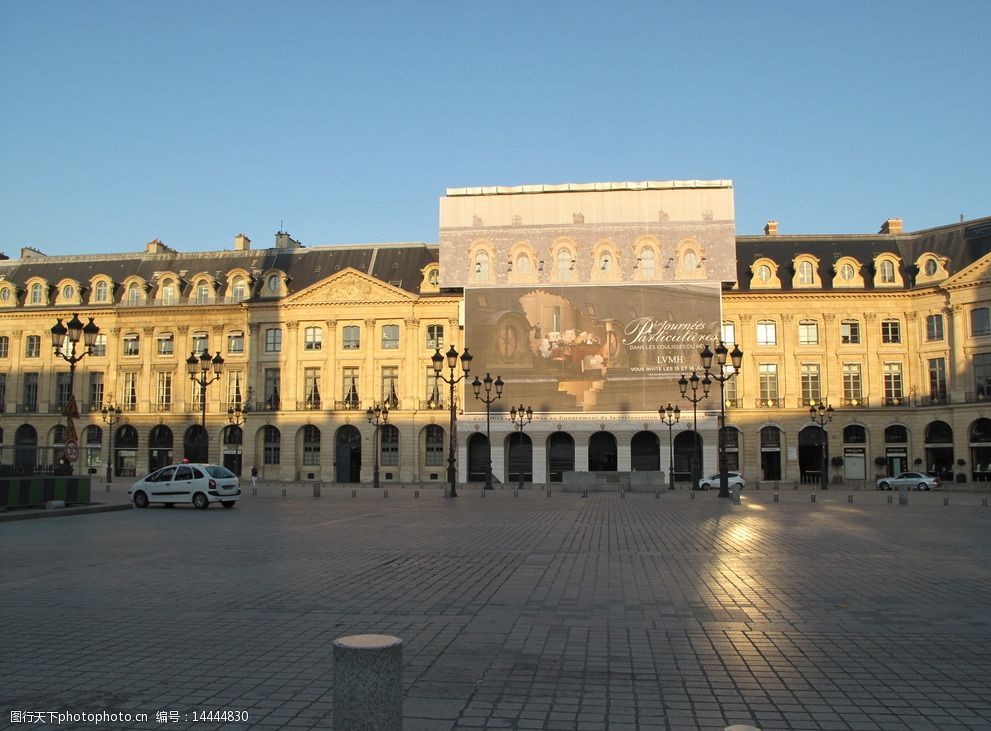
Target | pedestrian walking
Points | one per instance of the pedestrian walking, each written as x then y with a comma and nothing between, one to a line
254,476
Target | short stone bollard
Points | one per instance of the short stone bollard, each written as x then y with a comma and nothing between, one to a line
385,493
903,498
946,501
368,683
849,498
691,495
775,497
812,498
584,492
316,489
548,492
354,493
622,494
283,492
890,500
254,491
984,502
735,494
657,494
482,493
516,492
416,493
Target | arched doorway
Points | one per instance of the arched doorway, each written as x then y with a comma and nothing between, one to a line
126,447
688,464
25,449
159,447
645,452
560,455
478,457
271,451
896,449
854,452
233,440
770,453
195,444
939,450
433,452
602,452
308,441
980,450
811,461
347,454
519,458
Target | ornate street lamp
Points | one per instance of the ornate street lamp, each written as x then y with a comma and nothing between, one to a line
377,417
200,373
111,415
822,415
74,331
683,384
452,362
488,401
723,374
237,415
520,418
669,416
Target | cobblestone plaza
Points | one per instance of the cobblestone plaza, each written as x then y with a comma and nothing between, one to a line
528,612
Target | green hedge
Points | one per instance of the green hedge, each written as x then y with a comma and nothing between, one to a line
21,491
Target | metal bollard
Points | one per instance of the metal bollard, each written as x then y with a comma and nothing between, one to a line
283,492
657,494
691,495
316,489
775,497
622,494
849,498
890,499
813,497
385,493
984,502
368,682
483,493
548,492
516,492
254,491
946,501
584,492
416,493
354,493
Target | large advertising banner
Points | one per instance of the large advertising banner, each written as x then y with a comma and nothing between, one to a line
591,349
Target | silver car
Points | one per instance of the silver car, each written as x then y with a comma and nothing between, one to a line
196,484
910,480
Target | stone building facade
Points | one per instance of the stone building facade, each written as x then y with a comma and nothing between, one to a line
890,329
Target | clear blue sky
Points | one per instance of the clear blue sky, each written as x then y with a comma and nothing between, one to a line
344,122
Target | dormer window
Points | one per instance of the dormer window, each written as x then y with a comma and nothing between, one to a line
68,292
805,273
36,294
100,292
238,289
887,272
847,272
273,283
168,292
433,277
930,267
764,273
134,294
203,292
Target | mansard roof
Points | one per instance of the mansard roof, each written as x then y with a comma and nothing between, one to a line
399,264
962,244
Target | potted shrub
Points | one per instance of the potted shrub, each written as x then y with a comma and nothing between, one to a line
837,463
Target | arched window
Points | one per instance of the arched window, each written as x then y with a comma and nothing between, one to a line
648,263
271,445
311,445
168,292
806,274
854,434
482,266
565,263
389,446
35,294
434,446
887,271
238,289
896,434
523,264
939,432
101,291
202,292
134,294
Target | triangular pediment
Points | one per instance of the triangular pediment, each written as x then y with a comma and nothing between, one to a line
349,286
975,273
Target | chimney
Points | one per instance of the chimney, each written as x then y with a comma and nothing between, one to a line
285,241
28,253
891,226
158,247
771,228
242,243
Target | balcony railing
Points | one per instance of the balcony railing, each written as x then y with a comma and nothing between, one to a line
27,407
978,396
348,405
937,400
854,403
432,405
770,403
894,401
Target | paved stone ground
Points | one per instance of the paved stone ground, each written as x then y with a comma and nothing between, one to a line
527,612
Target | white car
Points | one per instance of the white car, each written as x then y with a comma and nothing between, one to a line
910,480
735,481
196,484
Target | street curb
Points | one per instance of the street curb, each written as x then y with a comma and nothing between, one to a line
62,512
